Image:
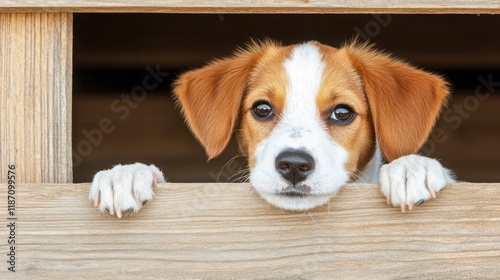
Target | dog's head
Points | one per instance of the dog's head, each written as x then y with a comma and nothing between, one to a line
310,116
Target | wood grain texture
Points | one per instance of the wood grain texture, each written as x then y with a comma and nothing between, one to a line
258,6
35,96
225,231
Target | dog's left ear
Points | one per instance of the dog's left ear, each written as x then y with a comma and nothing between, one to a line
404,101
210,98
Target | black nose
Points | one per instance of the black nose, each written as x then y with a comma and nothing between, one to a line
294,165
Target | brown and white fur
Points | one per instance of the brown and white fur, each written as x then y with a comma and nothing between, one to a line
309,118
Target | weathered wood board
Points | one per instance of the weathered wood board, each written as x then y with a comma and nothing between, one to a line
225,231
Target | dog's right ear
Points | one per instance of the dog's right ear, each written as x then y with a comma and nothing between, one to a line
211,97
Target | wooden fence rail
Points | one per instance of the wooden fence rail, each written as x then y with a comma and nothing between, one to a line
225,231
256,6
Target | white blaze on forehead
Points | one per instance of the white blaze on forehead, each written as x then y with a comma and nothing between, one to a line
305,73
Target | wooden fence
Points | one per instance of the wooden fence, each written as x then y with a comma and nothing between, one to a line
225,231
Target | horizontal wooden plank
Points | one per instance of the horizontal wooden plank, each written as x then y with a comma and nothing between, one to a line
258,6
225,231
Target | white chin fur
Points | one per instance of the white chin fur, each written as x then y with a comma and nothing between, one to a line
295,203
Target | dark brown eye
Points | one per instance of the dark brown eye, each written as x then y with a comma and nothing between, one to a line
342,114
262,110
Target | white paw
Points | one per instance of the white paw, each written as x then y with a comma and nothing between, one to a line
124,188
413,179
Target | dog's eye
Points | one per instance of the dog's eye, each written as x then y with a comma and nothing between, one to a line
342,114
262,110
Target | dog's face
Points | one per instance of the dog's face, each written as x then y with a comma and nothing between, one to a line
305,126
310,116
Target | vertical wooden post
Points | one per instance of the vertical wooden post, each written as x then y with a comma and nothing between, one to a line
35,96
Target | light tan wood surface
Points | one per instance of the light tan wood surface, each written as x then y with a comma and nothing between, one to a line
259,6
35,96
225,231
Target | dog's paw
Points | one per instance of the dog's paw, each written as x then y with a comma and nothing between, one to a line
413,179
124,188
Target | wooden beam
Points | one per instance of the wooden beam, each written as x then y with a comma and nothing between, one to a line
225,231
257,6
35,96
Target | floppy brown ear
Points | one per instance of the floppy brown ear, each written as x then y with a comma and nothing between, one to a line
210,98
404,101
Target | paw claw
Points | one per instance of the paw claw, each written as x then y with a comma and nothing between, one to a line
96,202
155,180
433,193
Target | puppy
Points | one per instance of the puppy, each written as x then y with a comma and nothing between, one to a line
309,118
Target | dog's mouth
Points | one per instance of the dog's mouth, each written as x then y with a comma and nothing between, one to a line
300,191
295,200
301,196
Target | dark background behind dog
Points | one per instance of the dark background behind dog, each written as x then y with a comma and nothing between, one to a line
124,64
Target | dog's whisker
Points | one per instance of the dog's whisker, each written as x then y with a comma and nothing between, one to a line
308,212
359,178
229,162
242,176
241,172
